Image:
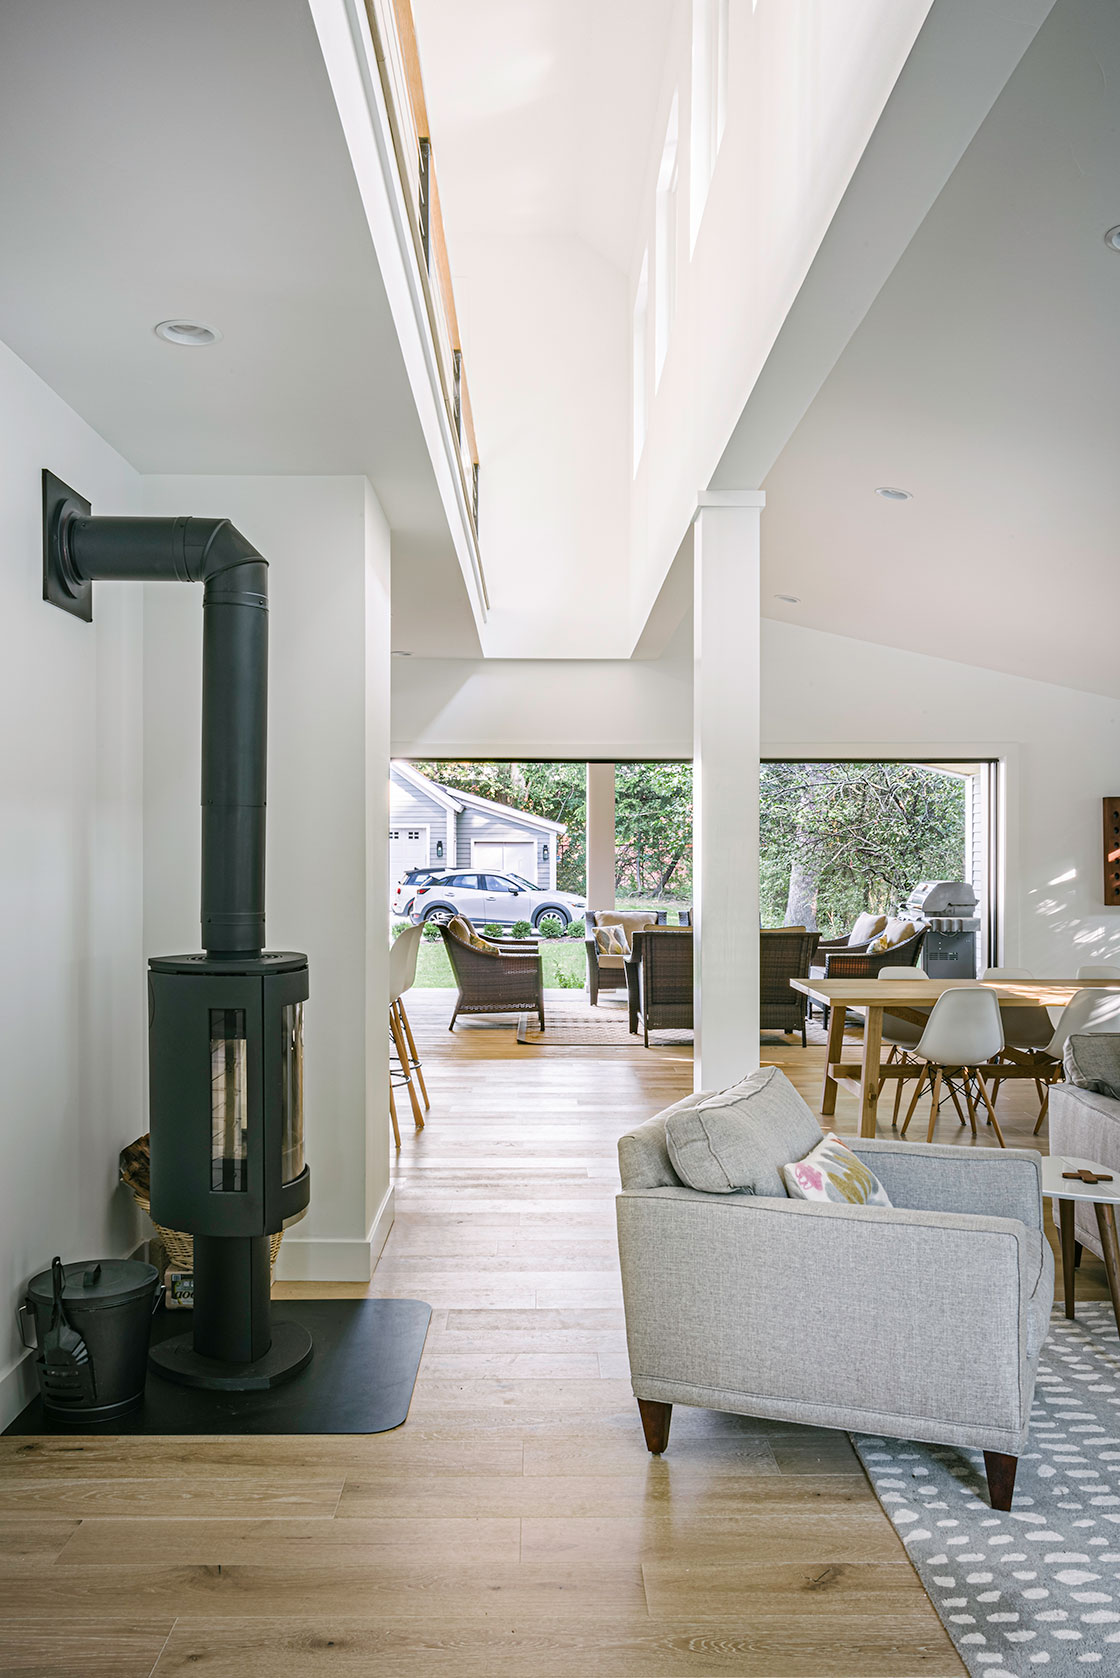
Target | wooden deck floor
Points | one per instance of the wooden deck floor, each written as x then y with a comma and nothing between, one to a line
516,1524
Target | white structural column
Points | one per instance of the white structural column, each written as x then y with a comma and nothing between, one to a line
725,790
600,836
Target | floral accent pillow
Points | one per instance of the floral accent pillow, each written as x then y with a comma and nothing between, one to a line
832,1172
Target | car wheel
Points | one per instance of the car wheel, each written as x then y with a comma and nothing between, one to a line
551,914
441,917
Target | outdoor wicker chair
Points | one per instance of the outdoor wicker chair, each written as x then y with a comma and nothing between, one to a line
606,970
506,982
785,954
659,980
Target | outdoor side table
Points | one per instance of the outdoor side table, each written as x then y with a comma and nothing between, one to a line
1103,1197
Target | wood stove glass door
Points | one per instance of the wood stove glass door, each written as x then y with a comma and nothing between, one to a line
291,1091
229,1101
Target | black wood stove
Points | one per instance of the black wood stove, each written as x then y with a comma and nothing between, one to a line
225,1027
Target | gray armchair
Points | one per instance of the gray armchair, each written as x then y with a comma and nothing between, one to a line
923,1320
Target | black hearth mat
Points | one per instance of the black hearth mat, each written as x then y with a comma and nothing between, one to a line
360,1379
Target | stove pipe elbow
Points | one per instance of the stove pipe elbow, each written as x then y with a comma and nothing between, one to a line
79,550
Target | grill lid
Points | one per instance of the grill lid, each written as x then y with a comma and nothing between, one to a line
942,897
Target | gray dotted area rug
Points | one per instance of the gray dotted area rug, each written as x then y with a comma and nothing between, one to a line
1036,1591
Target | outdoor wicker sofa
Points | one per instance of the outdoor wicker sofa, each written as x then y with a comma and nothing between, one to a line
865,964
505,982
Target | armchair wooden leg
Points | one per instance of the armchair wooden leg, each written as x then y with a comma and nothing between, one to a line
656,1418
1001,1478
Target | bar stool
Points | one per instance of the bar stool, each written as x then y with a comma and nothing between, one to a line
402,975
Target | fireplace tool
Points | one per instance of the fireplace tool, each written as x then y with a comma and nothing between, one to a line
225,1026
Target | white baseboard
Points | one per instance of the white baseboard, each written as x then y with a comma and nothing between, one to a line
336,1259
17,1388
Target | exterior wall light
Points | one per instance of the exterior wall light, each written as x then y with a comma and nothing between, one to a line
439,850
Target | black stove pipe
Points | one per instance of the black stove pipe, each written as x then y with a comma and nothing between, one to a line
234,692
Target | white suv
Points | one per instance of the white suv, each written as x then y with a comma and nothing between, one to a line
501,898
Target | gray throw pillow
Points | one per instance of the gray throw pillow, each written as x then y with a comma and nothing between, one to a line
1092,1062
739,1139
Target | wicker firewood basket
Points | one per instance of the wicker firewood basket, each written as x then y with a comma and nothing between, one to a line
179,1247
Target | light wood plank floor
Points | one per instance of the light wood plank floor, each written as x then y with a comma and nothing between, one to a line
516,1525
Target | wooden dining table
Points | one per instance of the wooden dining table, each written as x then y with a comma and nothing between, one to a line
905,998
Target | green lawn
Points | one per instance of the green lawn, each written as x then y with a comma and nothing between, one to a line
565,964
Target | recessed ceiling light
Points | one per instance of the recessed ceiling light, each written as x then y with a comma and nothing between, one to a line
190,333
894,494
1112,238
790,599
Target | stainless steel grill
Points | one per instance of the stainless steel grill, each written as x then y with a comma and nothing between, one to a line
947,910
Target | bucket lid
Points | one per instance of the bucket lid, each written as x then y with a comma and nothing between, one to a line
97,1283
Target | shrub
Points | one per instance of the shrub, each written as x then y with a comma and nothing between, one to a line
563,980
576,929
401,926
431,930
522,929
549,928
492,930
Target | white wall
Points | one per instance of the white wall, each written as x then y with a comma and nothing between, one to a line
806,86
550,708
546,343
825,693
74,1016
328,551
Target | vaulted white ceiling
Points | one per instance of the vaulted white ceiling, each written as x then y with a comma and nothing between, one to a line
984,381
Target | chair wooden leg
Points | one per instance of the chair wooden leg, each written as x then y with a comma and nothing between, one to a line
656,1418
411,1041
971,1103
1042,1111
402,1056
1001,1478
898,1083
991,1110
1078,1249
393,1114
934,1104
914,1099
957,1102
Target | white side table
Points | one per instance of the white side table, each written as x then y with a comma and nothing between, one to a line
1103,1196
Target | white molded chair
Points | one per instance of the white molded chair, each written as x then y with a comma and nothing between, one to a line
402,975
964,1033
1099,970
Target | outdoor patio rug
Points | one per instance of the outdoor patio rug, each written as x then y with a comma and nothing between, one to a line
1036,1591
575,1024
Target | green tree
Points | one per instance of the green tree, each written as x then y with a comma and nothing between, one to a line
653,831
838,838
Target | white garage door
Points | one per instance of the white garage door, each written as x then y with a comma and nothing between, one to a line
508,857
408,848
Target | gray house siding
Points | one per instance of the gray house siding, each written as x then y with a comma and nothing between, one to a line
484,824
408,807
